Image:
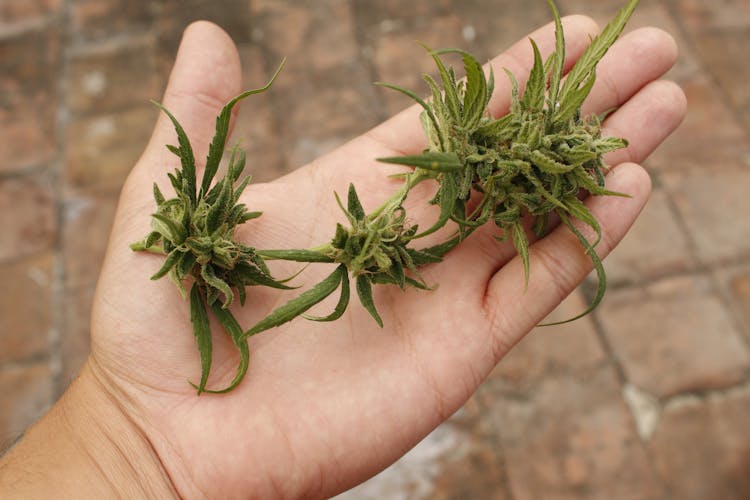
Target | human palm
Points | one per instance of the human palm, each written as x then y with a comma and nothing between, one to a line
326,405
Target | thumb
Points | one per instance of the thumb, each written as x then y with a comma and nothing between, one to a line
206,75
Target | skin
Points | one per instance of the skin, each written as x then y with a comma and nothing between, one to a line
323,406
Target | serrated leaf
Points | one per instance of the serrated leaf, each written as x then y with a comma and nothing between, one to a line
216,148
354,207
185,153
295,255
364,291
168,228
449,86
447,195
577,209
438,106
571,103
521,243
422,103
422,257
342,304
598,267
253,276
435,161
185,264
476,95
300,304
593,54
558,58
533,94
228,321
209,276
240,189
514,102
237,166
499,130
609,144
169,262
158,196
219,210
547,164
202,333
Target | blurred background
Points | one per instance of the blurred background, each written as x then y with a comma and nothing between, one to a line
648,398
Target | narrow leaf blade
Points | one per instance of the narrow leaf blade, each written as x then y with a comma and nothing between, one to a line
300,304
364,291
202,332
436,161
342,304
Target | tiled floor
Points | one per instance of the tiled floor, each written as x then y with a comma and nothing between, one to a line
649,397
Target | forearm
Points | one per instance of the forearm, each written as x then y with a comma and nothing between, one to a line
84,447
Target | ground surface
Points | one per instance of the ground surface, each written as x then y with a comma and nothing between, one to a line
648,398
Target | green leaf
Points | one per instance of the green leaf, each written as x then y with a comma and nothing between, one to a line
586,64
521,243
158,196
202,332
422,257
209,276
571,103
364,291
548,165
449,86
354,207
300,304
237,165
533,94
219,210
168,228
253,276
343,302
447,195
499,130
514,102
475,96
598,267
234,330
185,153
216,148
170,261
559,58
577,209
608,144
295,255
422,103
240,189
435,161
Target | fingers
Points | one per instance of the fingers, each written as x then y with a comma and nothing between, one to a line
558,262
646,120
402,134
205,76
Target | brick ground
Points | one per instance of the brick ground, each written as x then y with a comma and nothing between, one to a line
647,398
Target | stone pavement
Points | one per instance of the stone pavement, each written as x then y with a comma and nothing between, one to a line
648,398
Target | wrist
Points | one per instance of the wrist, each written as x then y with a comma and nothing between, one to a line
86,446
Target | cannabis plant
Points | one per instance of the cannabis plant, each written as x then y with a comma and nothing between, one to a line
534,162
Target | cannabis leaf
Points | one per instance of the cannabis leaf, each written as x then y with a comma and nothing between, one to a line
195,231
532,163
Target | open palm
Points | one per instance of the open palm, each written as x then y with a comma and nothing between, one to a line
325,406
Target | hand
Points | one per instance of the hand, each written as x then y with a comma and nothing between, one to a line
325,406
